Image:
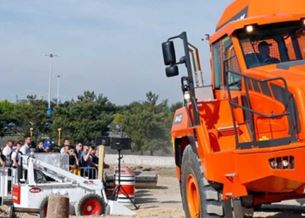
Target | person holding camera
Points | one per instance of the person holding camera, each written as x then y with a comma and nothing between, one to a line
86,162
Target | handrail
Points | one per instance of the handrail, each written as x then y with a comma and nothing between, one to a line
260,80
286,98
259,113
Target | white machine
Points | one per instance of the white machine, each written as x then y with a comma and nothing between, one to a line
40,179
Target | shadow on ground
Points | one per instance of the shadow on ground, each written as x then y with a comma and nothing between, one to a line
283,211
145,197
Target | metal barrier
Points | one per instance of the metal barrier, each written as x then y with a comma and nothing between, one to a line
87,172
8,176
62,161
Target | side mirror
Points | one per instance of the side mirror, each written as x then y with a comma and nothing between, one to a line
172,71
169,55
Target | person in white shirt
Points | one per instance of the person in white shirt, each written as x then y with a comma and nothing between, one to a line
65,148
16,155
7,150
25,149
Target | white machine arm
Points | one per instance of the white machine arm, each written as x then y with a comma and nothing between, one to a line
59,174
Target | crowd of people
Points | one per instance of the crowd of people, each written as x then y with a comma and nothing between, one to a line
11,153
83,159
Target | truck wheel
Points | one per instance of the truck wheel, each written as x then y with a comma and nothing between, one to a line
43,208
199,198
90,204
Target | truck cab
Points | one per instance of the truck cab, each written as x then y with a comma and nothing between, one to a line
242,137
258,55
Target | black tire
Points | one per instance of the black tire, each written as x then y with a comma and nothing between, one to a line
210,200
98,205
43,208
211,204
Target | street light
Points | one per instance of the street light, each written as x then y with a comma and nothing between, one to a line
59,135
57,89
51,56
31,132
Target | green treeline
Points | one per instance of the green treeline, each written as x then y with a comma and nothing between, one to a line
89,116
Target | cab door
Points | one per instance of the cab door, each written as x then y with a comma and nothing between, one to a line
225,65
224,60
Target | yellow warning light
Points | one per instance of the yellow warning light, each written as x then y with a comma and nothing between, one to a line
263,138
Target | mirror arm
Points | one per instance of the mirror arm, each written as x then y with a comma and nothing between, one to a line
187,61
196,64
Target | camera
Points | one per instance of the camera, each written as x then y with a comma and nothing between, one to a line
116,143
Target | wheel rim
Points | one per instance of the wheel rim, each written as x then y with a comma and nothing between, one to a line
193,197
92,207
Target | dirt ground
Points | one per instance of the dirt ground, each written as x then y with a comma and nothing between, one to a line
164,201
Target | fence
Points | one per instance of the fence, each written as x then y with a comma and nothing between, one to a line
8,176
86,172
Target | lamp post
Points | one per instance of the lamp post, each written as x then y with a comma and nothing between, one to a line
51,56
31,133
57,89
59,135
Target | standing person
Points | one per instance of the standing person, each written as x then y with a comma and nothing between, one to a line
2,159
93,155
86,162
95,159
73,161
40,147
25,149
16,155
78,150
65,148
7,150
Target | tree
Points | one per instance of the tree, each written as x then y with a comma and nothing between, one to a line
146,124
20,117
88,116
84,119
6,117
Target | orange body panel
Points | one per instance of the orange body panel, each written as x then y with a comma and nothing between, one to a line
181,124
250,170
244,12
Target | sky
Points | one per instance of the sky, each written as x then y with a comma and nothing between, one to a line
111,47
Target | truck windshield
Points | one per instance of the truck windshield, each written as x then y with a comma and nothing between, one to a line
271,44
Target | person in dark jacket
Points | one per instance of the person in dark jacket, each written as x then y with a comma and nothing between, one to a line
73,160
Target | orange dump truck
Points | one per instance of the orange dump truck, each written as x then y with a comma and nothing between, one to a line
240,142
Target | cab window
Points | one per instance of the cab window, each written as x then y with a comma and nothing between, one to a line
272,44
225,61
217,65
